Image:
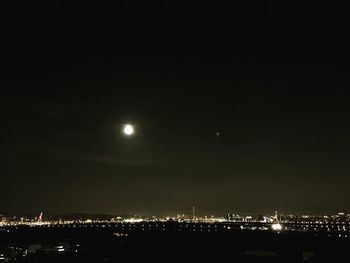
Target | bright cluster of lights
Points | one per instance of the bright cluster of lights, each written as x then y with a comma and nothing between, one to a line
276,227
133,220
120,234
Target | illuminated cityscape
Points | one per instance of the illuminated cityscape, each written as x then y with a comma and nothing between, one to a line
123,228
328,223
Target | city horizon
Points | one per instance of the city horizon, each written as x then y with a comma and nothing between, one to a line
174,215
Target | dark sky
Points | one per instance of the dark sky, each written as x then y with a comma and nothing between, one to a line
272,78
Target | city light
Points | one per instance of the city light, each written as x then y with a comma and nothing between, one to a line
276,227
133,220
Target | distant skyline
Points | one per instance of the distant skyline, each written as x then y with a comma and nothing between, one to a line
86,215
246,112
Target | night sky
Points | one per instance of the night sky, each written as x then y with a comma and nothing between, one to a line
239,109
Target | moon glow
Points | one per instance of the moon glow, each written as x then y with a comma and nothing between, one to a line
128,129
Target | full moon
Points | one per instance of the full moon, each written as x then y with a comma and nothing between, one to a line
128,129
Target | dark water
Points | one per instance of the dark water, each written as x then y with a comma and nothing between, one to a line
108,245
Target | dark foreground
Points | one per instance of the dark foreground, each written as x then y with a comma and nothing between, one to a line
39,244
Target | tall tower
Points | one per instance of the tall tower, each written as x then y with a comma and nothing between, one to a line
40,218
193,212
276,216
